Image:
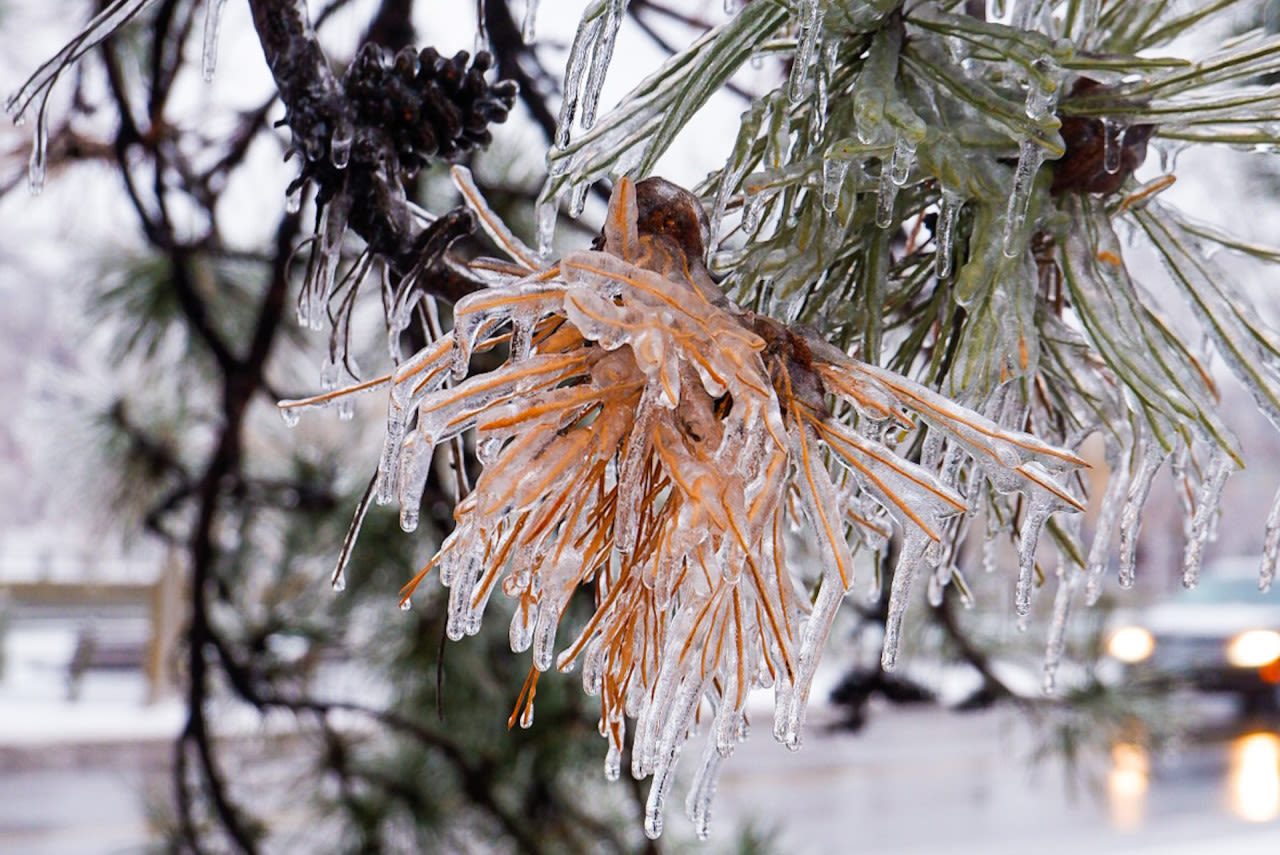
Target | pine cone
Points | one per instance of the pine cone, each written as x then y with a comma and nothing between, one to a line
430,106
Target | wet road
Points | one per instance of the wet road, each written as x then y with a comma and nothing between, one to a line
914,781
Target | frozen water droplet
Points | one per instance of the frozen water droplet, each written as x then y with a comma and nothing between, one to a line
212,24
290,416
339,581
904,156
834,171
914,545
406,604
340,143
529,24
1112,145
293,200
612,764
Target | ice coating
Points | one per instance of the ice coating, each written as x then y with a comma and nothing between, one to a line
651,440
212,25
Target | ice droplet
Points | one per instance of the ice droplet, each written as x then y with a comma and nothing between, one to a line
290,416
612,764
834,171
340,143
1068,581
293,200
212,24
406,604
904,156
1112,144
1030,156
339,581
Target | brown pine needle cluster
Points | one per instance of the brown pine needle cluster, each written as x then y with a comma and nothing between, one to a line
657,446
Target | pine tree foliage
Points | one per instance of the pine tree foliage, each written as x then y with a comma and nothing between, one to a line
892,318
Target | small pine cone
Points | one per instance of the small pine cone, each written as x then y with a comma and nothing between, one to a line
431,106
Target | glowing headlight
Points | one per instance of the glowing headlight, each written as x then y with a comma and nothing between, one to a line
1254,648
1131,644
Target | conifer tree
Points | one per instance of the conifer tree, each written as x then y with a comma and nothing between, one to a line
890,321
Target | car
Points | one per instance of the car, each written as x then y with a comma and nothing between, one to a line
1221,636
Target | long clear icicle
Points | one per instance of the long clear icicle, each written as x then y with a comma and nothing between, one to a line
834,171
806,41
944,241
529,25
601,56
1131,514
1108,516
212,26
915,543
1271,550
1030,156
1207,503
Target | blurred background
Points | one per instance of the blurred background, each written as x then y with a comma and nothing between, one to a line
177,675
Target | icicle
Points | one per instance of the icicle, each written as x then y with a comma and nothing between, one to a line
1207,503
673,730
212,24
1036,515
1131,514
886,195
811,14
482,27
703,790
752,209
293,199
914,545
1271,550
1042,91
834,171
1030,157
579,54
612,764
528,25
1112,145
340,143
546,216
578,199
792,701
904,156
522,623
944,240
1108,516
39,150
1068,582
601,55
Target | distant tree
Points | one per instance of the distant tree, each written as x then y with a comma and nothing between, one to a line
891,320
